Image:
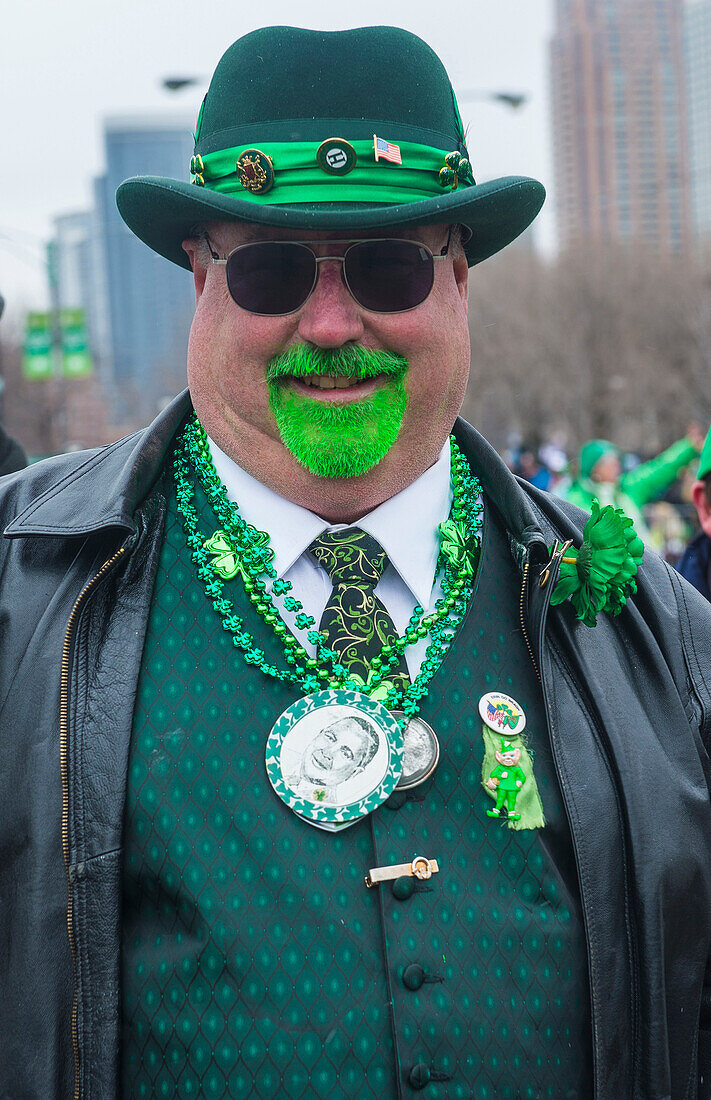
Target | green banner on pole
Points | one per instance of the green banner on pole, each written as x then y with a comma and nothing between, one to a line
76,356
38,352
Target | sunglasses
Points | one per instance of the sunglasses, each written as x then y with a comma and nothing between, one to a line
383,275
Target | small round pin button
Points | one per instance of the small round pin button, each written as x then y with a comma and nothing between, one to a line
336,157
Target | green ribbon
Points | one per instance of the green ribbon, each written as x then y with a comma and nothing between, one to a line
298,177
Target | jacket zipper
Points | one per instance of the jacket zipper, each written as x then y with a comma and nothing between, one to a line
64,771
556,557
522,620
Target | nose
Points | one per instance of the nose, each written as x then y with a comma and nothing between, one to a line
330,317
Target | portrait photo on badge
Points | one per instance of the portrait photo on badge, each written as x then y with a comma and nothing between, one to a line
334,756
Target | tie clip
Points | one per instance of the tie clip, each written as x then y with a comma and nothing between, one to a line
420,868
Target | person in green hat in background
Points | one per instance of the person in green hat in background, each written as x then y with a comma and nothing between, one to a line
310,535
695,563
600,476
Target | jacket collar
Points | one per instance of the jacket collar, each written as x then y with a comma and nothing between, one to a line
105,489
530,534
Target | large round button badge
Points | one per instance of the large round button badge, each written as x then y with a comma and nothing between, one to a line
336,157
334,756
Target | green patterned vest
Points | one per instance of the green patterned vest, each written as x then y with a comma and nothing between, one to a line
255,962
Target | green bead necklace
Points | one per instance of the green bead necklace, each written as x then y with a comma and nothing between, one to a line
237,548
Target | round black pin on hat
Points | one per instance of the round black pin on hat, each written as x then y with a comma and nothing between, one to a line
336,156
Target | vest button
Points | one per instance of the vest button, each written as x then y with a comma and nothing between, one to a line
396,801
403,888
419,1076
413,976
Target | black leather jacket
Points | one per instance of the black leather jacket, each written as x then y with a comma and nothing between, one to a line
629,717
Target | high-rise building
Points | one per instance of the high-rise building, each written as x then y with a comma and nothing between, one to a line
150,300
620,123
697,42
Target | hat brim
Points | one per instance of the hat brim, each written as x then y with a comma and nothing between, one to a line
163,212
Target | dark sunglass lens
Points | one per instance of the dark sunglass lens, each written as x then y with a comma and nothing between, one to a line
271,277
389,276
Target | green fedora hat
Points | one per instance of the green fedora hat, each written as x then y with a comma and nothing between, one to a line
339,130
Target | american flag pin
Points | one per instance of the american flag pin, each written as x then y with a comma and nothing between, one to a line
385,150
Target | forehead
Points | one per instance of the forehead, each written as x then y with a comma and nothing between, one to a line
232,234
345,726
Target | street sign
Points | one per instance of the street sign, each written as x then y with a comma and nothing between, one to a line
38,350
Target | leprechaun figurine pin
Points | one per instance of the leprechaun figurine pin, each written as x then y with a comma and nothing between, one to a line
506,779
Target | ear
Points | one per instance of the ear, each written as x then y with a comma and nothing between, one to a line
193,247
698,495
461,277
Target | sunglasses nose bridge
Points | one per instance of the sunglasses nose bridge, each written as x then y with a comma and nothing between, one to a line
323,259
330,316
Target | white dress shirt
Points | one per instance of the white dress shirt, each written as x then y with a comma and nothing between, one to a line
406,526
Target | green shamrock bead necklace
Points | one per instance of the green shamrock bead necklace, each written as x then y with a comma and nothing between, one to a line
236,549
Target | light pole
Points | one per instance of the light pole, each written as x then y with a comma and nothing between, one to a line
507,99
177,83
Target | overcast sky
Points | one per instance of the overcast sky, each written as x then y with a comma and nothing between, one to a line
67,64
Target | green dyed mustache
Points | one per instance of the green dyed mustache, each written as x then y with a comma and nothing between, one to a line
338,439
351,361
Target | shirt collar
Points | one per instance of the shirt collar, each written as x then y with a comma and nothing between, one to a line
406,525
291,528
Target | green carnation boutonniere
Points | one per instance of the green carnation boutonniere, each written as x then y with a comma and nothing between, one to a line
600,575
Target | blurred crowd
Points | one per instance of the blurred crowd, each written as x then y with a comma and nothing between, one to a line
657,491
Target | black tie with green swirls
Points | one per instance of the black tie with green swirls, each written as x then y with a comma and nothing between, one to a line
355,622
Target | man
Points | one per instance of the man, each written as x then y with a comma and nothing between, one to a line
335,755
600,476
695,564
173,605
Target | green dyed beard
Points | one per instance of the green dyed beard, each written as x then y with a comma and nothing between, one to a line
334,440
